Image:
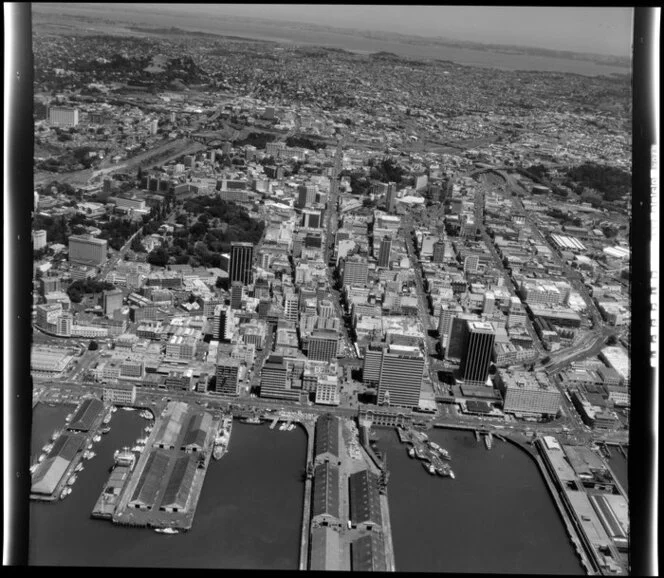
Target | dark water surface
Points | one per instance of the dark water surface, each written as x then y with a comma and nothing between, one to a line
248,516
618,464
497,516
47,418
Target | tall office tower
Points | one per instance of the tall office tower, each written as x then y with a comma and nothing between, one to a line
38,239
236,294
242,255
222,324
391,197
64,323
401,371
356,271
325,309
291,307
274,380
306,195
112,301
477,357
87,250
373,357
456,341
447,313
323,345
438,252
489,303
227,375
62,116
385,250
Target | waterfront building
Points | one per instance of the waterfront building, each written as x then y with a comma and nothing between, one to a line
384,255
325,549
179,379
400,379
49,472
327,390
227,375
478,350
529,394
325,501
49,361
119,394
242,255
323,345
85,415
368,553
87,250
365,511
112,301
326,439
62,116
38,239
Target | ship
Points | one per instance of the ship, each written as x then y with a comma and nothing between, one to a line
428,467
166,531
411,452
252,420
221,441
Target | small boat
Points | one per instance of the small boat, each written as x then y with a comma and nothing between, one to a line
55,435
255,420
107,418
64,494
41,458
411,452
105,430
444,454
79,467
68,418
96,438
435,446
91,455
282,427
148,428
71,480
33,468
291,427
488,441
166,531
114,409
126,408
429,467
137,449
47,448
451,474
219,452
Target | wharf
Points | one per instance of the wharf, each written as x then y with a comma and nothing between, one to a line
108,499
180,516
275,421
308,489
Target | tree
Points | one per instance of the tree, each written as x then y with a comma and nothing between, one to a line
219,283
93,346
158,257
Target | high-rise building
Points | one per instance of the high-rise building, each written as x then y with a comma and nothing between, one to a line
62,116
306,195
373,358
242,255
236,294
516,314
112,301
38,239
391,197
385,250
274,380
325,309
291,307
323,344
438,252
477,356
356,271
312,218
489,303
227,375
87,250
400,379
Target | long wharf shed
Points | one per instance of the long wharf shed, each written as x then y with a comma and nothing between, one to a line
325,502
49,473
326,439
368,553
85,415
325,549
364,500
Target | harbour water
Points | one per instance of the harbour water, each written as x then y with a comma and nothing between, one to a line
497,516
48,417
248,515
618,464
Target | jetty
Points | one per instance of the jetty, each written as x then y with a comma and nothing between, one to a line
275,421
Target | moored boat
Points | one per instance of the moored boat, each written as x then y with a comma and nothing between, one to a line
71,480
411,452
96,438
429,467
166,531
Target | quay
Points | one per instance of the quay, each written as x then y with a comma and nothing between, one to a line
308,483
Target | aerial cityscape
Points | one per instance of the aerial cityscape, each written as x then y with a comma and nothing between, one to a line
358,304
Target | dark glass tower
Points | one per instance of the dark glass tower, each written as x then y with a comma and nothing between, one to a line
242,256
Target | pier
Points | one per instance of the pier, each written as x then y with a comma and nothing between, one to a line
275,421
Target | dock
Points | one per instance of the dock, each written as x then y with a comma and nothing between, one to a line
108,499
275,421
308,489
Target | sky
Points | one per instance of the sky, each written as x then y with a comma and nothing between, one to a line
606,31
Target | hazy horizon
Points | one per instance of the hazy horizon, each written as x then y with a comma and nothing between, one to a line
602,31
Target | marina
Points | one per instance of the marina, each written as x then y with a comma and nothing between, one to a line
432,455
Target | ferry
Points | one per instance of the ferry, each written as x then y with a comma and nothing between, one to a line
411,452
166,531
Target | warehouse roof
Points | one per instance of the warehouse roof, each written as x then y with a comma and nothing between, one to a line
179,483
324,549
326,491
150,480
85,415
368,554
364,498
327,435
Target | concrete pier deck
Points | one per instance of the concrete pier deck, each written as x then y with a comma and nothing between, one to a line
306,508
